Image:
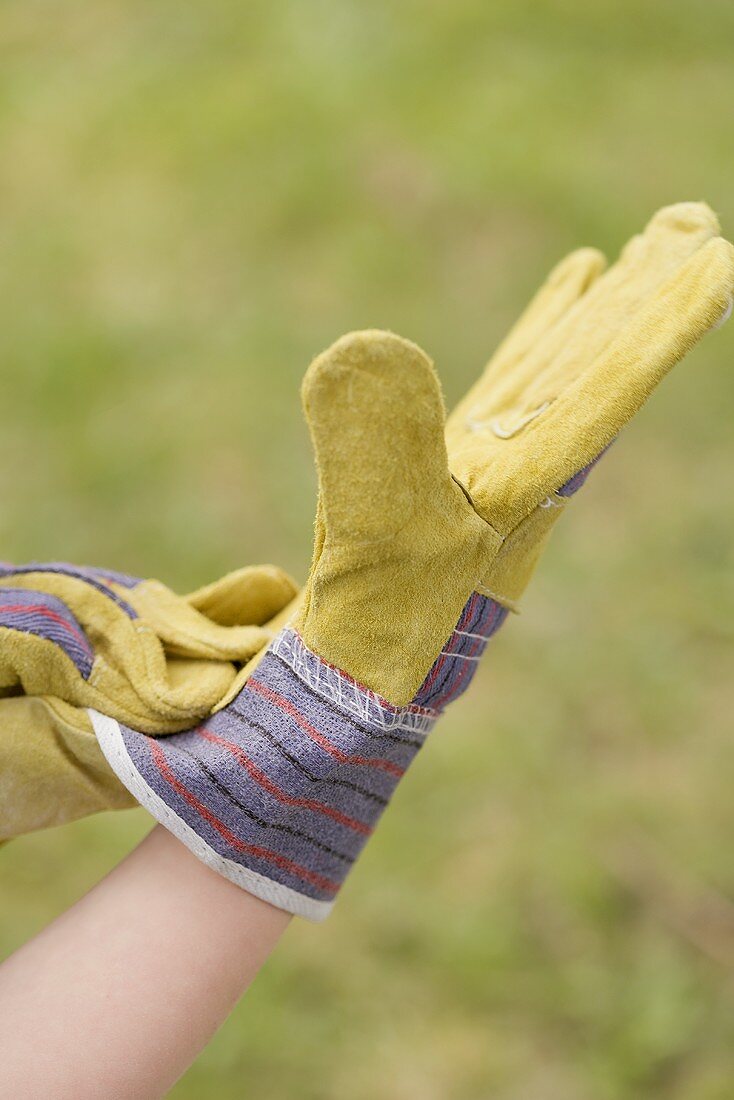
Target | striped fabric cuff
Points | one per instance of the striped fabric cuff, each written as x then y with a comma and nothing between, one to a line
280,791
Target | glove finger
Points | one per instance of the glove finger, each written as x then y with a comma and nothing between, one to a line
376,416
513,475
248,596
585,331
567,282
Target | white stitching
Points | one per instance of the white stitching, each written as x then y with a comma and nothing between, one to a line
333,685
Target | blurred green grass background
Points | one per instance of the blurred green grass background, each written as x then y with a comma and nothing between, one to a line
195,199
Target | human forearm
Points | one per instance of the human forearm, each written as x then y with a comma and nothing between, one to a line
134,979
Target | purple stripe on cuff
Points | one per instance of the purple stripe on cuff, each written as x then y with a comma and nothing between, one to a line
96,578
46,617
454,668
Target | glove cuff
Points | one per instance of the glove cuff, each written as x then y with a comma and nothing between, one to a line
280,791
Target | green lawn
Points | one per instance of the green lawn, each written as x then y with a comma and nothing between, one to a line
194,200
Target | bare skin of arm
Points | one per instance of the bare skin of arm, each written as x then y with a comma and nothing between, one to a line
119,994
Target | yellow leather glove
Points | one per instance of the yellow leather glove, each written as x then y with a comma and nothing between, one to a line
407,529
133,648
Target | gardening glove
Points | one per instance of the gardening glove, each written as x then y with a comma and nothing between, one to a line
73,636
419,553
130,647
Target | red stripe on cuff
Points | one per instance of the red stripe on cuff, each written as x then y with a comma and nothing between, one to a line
239,845
292,711
290,800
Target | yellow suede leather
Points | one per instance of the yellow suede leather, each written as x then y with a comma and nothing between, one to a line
160,672
588,352
52,769
399,545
